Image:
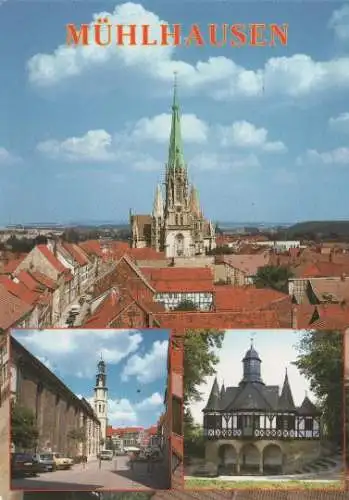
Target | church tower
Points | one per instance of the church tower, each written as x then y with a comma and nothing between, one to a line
101,399
176,225
177,214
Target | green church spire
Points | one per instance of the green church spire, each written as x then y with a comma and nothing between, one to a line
175,154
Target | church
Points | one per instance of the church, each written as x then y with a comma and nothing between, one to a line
177,225
256,429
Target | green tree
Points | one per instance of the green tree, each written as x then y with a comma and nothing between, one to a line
275,277
320,360
194,442
24,432
200,359
186,305
78,436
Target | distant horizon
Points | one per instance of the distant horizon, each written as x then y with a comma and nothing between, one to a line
99,223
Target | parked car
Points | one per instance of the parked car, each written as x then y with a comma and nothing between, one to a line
61,462
106,455
75,309
23,464
46,460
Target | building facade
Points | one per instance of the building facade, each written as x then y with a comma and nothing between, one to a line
253,428
58,411
177,225
101,400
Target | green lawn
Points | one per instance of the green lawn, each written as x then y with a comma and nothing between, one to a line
265,485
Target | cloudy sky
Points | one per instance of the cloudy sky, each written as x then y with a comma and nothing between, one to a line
136,361
83,133
277,349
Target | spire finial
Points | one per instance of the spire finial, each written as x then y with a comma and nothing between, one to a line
252,340
286,370
175,87
101,357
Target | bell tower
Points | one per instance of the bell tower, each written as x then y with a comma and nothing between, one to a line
101,399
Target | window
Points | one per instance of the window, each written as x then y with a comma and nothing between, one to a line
177,416
309,424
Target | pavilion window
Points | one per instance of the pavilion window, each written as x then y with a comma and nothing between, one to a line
239,422
309,424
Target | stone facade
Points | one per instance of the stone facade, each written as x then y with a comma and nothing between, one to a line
262,456
57,410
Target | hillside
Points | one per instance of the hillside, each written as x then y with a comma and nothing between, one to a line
329,229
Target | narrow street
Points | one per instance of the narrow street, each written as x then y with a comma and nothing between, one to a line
115,474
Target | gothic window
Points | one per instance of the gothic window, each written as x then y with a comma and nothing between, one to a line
100,408
177,219
179,245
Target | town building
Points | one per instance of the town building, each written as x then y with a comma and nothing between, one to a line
100,400
177,225
58,411
255,428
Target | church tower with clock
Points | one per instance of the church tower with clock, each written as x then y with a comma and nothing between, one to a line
101,399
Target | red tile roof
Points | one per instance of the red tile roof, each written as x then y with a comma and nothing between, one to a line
229,298
173,279
92,247
248,264
12,265
77,253
12,309
44,280
20,291
324,270
27,279
52,259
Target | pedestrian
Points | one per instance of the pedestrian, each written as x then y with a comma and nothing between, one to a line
84,461
132,459
100,461
150,464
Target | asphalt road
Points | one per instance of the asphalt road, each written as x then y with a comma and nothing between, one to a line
115,474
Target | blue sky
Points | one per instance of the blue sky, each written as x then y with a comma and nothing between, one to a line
275,155
276,348
136,360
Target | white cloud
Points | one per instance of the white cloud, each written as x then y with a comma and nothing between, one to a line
284,177
221,162
153,401
220,77
68,346
340,123
121,412
158,128
95,145
339,22
271,346
243,134
339,156
7,158
148,367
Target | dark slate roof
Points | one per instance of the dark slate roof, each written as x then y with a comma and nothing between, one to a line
213,400
286,399
308,408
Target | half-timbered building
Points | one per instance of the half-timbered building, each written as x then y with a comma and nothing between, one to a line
256,428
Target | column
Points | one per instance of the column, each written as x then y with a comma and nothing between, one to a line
238,463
